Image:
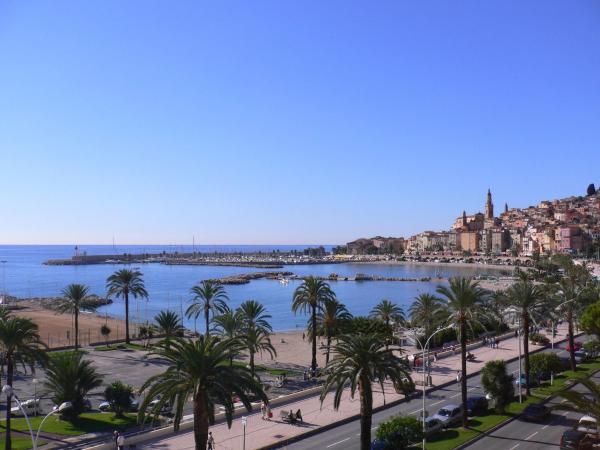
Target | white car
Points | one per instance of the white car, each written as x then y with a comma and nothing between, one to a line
30,406
166,408
105,406
588,425
433,425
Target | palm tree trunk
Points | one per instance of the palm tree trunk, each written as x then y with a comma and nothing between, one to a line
76,329
463,379
252,362
200,422
9,382
328,347
313,363
571,340
366,413
526,352
126,317
206,321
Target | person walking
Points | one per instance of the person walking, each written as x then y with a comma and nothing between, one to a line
458,376
263,410
115,437
210,442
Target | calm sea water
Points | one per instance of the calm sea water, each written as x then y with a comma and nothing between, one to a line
23,275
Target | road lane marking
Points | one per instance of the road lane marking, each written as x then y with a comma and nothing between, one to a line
531,435
338,442
513,447
545,426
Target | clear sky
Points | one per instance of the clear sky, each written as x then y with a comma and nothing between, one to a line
288,121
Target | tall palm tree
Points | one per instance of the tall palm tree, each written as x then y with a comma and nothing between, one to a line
169,324
123,283
360,360
463,299
331,317
207,297
256,330
387,312
199,370
528,301
74,300
21,344
229,325
69,377
427,311
582,402
308,297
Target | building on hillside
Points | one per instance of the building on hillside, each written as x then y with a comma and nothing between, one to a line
569,239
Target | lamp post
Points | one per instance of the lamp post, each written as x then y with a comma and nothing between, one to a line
244,422
9,391
520,369
424,347
35,382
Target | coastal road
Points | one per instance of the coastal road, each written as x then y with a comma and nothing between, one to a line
523,435
346,437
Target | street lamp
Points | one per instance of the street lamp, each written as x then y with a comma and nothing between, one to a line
9,391
424,347
35,382
244,421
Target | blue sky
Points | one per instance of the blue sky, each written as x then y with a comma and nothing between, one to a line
288,122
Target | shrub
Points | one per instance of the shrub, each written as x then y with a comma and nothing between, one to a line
399,432
539,339
590,320
119,396
542,364
498,383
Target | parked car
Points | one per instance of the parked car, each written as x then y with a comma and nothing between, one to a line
29,406
537,413
522,381
433,425
87,405
576,345
575,440
449,415
477,405
166,408
588,425
581,356
379,444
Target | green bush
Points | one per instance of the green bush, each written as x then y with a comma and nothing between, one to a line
542,364
119,396
498,384
539,339
399,432
590,320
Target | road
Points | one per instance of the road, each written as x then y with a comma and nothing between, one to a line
346,437
523,435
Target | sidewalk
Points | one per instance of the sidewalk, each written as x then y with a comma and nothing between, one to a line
260,433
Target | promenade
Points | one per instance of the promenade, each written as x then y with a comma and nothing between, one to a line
260,433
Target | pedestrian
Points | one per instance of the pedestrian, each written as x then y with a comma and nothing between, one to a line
269,412
435,357
303,336
458,376
210,442
121,442
115,437
263,410
516,333
496,342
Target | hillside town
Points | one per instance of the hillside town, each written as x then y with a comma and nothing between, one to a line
569,225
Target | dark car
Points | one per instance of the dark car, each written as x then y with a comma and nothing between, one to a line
536,413
477,405
575,440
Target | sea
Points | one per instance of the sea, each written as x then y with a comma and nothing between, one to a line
24,275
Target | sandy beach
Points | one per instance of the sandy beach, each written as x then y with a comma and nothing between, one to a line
56,330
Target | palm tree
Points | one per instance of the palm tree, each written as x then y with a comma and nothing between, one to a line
122,283
360,360
308,297
387,312
200,370
229,325
74,300
208,297
256,330
69,377
331,317
581,402
427,311
463,299
21,344
169,324
528,301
